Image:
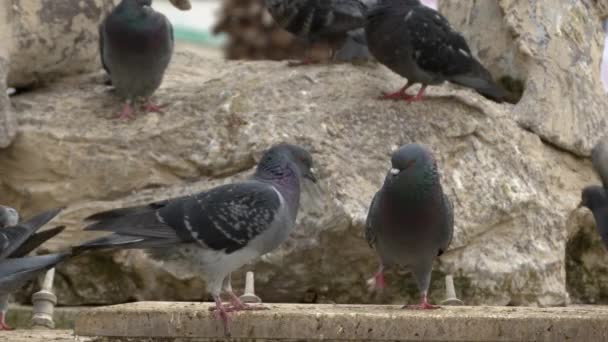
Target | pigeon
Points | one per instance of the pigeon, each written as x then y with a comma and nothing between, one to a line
419,44
135,45
333,22
410,220
595,197
218,230
17,240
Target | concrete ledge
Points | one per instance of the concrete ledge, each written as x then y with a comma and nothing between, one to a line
162,320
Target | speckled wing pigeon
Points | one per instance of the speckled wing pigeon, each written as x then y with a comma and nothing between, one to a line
333,22
419,44
595,197
219,230
410,220
17,240
136,45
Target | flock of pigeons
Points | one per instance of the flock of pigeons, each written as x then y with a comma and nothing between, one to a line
410,220
415,41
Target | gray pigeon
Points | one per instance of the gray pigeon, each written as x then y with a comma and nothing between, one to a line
219,230
410,220
136,45
595,197
419,44
8,216
17,240
333,22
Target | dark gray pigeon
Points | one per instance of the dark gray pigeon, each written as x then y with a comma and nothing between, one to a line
410,220
419,44
136,45
17,240
595,197
333,22
219,230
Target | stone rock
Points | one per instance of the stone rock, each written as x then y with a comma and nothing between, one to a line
513,192
52,38
8,122
555,48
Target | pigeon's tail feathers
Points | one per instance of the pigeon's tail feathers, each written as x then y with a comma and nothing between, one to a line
35,241
15,272
354,48
481,80
15,236
145,224
117,241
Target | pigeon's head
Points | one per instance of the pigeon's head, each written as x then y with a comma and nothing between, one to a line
593,197
287,156
8,217
412,163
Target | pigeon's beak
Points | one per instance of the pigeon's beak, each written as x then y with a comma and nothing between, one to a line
395,171
311,175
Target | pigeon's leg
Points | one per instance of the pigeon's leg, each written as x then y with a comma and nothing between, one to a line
221,313
424,304
398,95
151,107
127,112
3,310
235,302
377,281
418,97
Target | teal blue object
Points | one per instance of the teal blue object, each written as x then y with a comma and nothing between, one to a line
193,35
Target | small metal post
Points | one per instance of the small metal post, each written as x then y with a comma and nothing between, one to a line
450,292
249,294
44,303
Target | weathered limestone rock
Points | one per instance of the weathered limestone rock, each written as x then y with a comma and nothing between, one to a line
51,38
555,48
512,193
8,122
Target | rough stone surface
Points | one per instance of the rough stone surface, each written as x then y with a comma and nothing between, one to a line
513,194
42,336
348,322
52,38
8,122
555,48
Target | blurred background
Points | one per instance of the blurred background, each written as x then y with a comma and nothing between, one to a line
242,29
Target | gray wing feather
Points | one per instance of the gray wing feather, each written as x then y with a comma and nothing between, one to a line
448,227
599,157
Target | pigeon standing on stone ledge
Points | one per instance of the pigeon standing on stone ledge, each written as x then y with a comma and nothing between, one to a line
17,240
136,45
219,230
334,22
595,197
410,220
419,44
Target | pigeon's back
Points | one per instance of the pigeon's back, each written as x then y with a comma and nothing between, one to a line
136,49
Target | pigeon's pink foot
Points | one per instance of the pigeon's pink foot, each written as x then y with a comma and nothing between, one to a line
150,107
221,313
237,305
399,95
377,281
424,305
126,114
3,325
418,97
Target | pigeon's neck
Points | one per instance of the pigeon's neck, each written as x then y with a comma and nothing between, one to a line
418,189
286,180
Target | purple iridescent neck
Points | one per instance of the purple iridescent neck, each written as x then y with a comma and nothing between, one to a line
285,178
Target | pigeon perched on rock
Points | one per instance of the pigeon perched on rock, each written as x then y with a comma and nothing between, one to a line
410,220
17,240
219,230
333,22
136,45
419,44
595,197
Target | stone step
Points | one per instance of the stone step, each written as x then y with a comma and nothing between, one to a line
171,320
